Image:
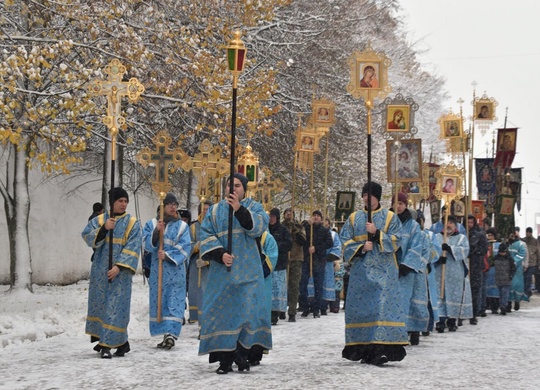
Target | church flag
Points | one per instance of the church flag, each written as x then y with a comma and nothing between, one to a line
485,180
506,147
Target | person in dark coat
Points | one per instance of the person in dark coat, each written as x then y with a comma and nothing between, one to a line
279,276
478,248
505,269
318,240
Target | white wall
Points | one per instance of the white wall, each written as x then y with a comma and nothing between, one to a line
59,254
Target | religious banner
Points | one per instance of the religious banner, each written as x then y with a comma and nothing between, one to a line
432,179
506,147
504,215
515,185
485,178
478,210
344,205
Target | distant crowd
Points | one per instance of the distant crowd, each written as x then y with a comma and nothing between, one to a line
242,270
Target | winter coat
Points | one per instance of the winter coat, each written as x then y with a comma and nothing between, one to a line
534,251
283,238
505,268
298,235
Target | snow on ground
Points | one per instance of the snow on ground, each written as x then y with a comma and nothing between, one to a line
43,346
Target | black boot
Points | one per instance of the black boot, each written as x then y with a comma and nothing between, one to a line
123,349
282,315
473,321
292,318
106,353
415,338
275,317
509,307
224,368
503,310
516,306
452,327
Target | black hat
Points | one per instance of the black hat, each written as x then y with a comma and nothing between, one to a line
275,212
503,247
318,212
244,180
170,198
528,230
184,213
376,189
117,193
97,207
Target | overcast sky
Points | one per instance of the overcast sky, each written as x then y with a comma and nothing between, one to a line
496,44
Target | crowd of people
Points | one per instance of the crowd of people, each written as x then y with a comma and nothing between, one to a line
397,279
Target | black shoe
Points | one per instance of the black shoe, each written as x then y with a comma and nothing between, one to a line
452,327
292,318
97,348
483,313
460,322
439,327
516,306
254,363
324,313
379,360
282,315
473,321
106,353
316,314
503,311
224,368
425,333
305,313
275,318
415,338
169,342
122,350
495,311
242,363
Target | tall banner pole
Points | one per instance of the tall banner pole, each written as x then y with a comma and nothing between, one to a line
236,53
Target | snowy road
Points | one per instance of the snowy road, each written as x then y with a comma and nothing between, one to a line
43,346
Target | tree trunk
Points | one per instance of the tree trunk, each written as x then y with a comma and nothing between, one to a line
21,259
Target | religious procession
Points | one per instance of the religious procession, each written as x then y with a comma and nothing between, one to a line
241,269
406,246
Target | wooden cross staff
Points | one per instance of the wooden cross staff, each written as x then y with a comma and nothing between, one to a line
266,186
163,160
114,88
205,165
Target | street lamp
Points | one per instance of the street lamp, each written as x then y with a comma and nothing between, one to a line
236,54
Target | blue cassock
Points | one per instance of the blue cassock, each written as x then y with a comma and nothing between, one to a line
271,250
233,303
414,285
109,303
432,251
329,285
492,291
177,246
450,303
197,275
518,250
375,313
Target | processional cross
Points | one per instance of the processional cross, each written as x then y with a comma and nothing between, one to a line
206,164
114,89
163,160
266,186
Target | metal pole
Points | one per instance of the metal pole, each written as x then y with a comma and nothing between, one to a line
232,166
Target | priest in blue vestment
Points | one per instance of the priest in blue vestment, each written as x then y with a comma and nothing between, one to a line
453,295
109,292
234,316
375,330
173,255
